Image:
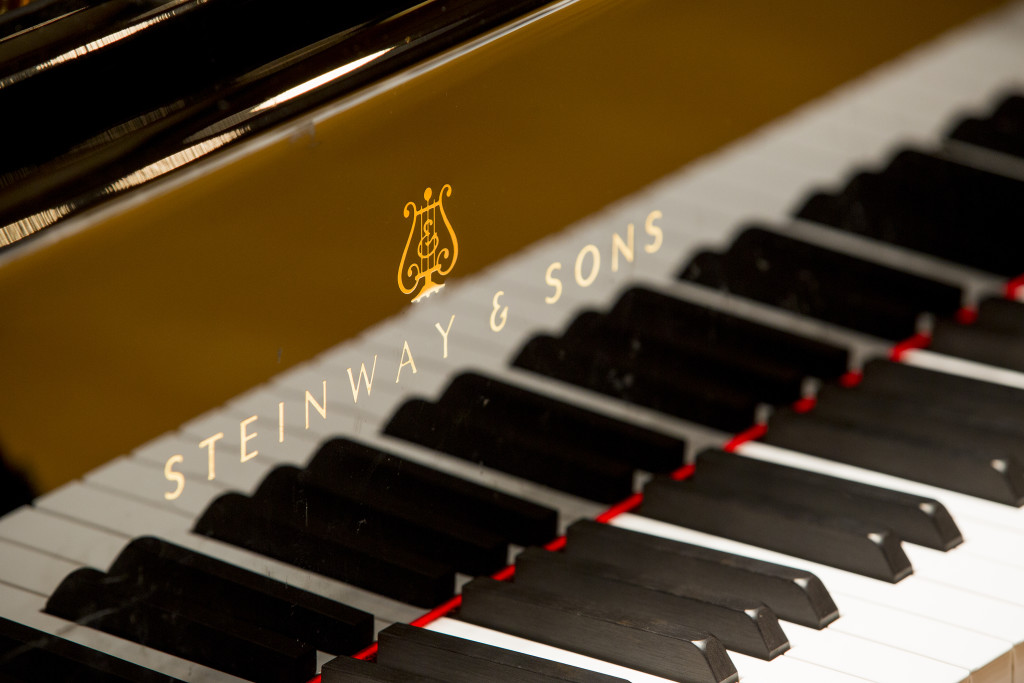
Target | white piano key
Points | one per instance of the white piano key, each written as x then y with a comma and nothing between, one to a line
999,544
952,365
787,670
263,435
979,575
110,511
79,543
868,659
986,657
783,669
972,515
343,417
26,608
145,480
228,469
479,634
32,570
915,595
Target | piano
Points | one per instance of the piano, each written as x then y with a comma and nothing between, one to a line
517,395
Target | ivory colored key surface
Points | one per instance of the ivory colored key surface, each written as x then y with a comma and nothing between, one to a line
779,670
995,526
933,601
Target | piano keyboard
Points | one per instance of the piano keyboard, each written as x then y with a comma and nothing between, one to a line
558,386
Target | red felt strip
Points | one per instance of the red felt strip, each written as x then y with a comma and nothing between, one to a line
1014,287
438,612
851,379
918,341
614,511
752,434
966,315
805,404
367,653
556,544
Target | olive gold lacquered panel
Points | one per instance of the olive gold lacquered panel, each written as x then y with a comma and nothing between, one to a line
156,310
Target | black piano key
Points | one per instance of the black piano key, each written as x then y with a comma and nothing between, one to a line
974,401
669,319
567,425
327,625
287,493
1001,315
745,626
663,649
695,398
701,353
1002,132
923,422
960,410
915,518
488,442
164,621
935,206
860,547
340,464
793,594
978,344
823,284
996,479
32,656
363,560
457,660
349,670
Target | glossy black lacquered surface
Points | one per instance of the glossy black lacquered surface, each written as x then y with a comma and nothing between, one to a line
665,649
97,93
456,660
31,656
681,568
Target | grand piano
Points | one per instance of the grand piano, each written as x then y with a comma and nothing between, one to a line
403,344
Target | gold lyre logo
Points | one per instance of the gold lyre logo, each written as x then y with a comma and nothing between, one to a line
435,250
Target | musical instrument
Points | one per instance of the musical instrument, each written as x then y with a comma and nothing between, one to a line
477,380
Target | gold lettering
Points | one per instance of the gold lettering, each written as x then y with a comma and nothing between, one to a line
403,362
654,231
177,477
280,422
245,436
496,310
210,444
553,281
362,378
444,335
627,248
594,270
322,409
